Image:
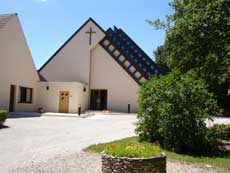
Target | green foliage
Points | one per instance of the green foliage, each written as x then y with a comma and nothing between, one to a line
222,131
222,162
173,110
3,116
158,24
198,38
132,150
160,55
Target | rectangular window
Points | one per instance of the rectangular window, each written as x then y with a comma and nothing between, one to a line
26,95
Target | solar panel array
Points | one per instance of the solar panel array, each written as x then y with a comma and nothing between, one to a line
132,58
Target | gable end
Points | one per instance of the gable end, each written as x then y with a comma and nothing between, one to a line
75,33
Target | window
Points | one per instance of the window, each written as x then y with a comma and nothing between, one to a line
106,43
26,95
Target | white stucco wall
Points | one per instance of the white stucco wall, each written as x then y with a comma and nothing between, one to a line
106,73
49,99
16,67
74,56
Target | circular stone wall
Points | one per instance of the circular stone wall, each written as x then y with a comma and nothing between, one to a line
112,164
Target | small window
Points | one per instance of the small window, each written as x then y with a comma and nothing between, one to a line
132,69
26,95
106,43
111,48
127,63
142,80
121,58
116,53
137,74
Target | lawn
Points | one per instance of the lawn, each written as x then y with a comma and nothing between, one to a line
221,162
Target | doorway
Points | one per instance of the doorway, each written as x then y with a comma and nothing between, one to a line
98,100
64,101
12,98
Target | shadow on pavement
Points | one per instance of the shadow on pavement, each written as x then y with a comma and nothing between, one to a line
3,127
23,115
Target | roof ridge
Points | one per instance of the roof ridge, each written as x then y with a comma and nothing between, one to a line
5,18
9,14
70,38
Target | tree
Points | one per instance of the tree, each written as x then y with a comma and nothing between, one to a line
198,35
160,55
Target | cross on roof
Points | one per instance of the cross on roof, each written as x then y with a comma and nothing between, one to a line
90,32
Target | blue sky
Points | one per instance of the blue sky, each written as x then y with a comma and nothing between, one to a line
47,24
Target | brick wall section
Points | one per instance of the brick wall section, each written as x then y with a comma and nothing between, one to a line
112,164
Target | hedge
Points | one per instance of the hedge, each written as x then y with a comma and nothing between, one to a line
3,116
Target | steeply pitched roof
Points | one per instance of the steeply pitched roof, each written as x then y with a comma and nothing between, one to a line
5,18
125,51
90,19
133,55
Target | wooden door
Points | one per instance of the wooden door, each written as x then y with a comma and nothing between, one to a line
12,98
64,101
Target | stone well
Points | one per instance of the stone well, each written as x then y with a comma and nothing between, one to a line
111,164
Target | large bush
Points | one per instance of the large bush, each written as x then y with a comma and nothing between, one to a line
173,110
3,116
221,131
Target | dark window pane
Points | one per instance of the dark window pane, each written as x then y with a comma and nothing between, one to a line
26,95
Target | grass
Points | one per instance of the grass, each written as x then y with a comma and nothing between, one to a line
221,162
132,150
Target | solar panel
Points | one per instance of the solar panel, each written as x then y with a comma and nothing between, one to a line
135,55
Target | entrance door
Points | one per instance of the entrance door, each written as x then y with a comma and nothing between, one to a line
12,98
64,101
98,100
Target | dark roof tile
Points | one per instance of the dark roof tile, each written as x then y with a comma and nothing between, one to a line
145,65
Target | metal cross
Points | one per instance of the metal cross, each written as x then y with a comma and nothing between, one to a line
90,32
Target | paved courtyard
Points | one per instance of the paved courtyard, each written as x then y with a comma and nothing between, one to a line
33,140
53,144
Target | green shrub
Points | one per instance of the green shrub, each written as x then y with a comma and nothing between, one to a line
132,150
221,132
3,116
173,110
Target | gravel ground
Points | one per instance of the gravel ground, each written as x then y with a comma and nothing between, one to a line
29,141
54,144
91,163
75,163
